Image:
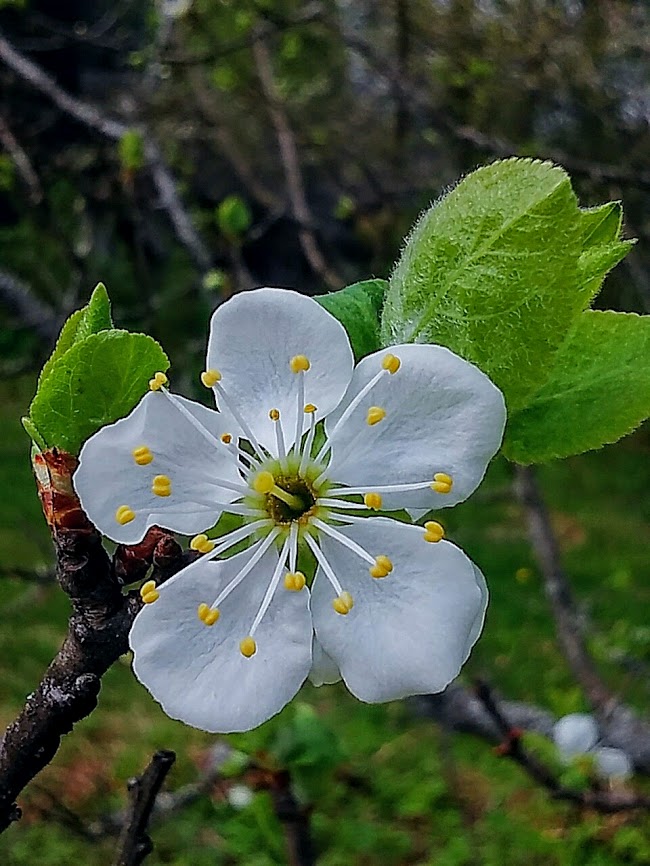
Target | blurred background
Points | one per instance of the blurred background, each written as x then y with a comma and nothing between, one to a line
183,150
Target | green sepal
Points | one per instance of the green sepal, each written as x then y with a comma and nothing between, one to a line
358,308
602,247
96,381
598,390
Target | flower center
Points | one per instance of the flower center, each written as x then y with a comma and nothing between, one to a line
299,505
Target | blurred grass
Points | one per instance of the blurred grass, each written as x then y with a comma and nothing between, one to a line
421,797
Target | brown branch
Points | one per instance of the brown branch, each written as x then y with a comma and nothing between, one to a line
291,166
31,312
97,634
108,127
135,843
620,725
295,821
512,746
21,161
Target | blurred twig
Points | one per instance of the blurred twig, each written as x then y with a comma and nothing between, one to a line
21,161
512,747
291,165
621,725
114,130
20,301
135,843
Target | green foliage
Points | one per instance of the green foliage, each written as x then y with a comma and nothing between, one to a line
490,271
358,308
98,380
233,216
131,150
602,247
598,390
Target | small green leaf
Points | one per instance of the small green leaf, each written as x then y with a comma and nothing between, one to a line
233,216
490,271
91,319
598,391
602,247
97,381
358,308
33,433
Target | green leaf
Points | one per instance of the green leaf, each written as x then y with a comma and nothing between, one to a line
233,216
598,391
91,319
602,247
358,308
491,272
97,381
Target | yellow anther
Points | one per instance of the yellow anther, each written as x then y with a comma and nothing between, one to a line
142,455
310,409
210,378
248,647
391,363
147,587
343,604
207,615
375,415
162,486
226,438
299,364
442,483
382,567
150,597
294,581
124,515
373,500
264,482
434,532
158,381
202,543
274,414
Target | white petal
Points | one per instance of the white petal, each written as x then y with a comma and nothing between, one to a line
408,633
575,734
197,673
253,337
442,415
613,763
477,625
324,670
108,476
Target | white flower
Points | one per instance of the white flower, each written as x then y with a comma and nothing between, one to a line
577,734
393,609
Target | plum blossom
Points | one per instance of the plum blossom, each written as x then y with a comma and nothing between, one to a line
577,734
307,451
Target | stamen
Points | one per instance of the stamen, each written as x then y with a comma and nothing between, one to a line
434,531
248,647
391,363
442,483
299,411
210,378
148,592
310,408
202,543
341,503
344,540
252,562
387,488
162,485
324,564
158,381
264,483
375,415
274,415
343,604
309,441
207,615
294,581
293,545
273,585
350,409
226,438
299,364
142,455
124,515
373,500
382,567
218,387
227,541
